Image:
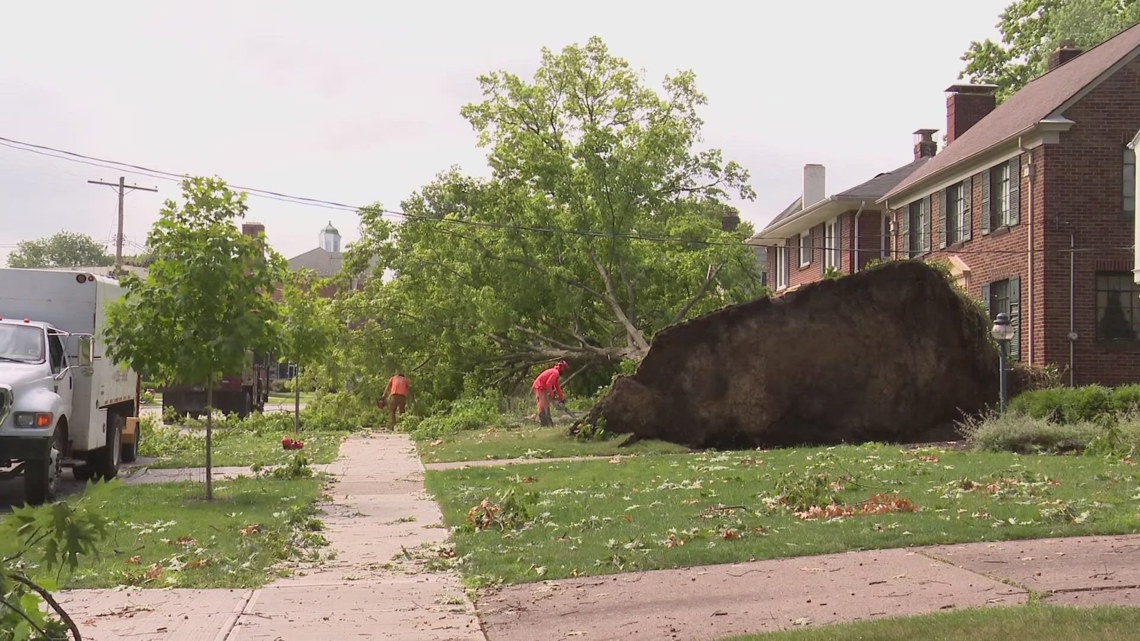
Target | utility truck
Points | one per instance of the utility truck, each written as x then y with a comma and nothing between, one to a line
63,403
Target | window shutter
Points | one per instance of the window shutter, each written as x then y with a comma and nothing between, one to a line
1014,191
1015,318
985,213
839,244
967,213
942,215
903,239
986,300
925,240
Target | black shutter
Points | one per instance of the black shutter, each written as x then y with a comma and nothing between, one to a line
1015,318
926,225
985,213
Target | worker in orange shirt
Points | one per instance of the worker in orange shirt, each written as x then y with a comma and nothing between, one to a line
547,387
397,391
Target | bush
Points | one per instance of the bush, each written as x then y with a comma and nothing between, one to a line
1126,399
1027,378
1066,405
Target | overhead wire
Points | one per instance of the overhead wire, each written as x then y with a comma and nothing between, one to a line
71,156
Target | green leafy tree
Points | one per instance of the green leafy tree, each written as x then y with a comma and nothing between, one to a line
65,249
1032,29
307,329
601,224
52,540
206,300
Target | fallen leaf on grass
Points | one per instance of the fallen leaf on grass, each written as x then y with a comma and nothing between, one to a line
250,529
729,534
200,563
691,501
436,442
154,572
134,560
185,541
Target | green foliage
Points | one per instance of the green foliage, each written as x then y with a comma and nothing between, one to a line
832,273
307,328
1026,434
51,538
64,249
482,282
1032,29
467,413
595,431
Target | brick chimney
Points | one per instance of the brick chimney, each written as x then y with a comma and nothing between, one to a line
1063,54
965,106
924,144
253,229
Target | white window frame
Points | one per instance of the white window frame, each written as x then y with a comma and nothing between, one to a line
832,257
805,248
1001,198
782,275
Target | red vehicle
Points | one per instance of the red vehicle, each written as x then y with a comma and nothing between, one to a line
240,394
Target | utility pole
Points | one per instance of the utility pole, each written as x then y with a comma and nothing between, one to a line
122,188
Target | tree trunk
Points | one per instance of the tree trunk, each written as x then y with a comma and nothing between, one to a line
297,400
209,438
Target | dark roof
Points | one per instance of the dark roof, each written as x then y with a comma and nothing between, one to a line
872,190
1034,103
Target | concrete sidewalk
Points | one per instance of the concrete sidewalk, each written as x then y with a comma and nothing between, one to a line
376,586
379,512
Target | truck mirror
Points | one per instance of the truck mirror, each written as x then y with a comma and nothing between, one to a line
86,350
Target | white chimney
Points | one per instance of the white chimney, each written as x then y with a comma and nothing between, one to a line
814,189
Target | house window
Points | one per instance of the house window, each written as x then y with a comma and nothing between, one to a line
1129,183
1117,303
832,256
956,212
886,241
781,267
1004,296
1001,196
805,249
919,227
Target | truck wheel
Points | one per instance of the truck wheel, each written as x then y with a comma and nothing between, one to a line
83,472
41,477
107,458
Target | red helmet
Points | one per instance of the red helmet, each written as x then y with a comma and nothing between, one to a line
562,366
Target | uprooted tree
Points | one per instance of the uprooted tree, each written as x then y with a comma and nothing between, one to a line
601,224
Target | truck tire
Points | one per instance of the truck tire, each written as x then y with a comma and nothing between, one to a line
106,459
41,477
83,472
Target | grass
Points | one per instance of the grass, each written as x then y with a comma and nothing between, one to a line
282,398
177,447
168,535
555,520
1028,623
529,442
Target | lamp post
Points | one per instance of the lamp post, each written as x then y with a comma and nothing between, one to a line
1003,334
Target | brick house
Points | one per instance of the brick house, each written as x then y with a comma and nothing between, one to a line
1033,204
840,233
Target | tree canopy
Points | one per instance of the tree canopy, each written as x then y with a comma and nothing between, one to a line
64,249
601,224
1032,29
207,298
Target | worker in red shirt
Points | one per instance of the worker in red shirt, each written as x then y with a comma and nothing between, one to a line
397,391
545,388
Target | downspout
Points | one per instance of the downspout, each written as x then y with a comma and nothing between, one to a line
1031,174
855,236
1072,303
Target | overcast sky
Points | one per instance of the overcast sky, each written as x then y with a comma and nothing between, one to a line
358,102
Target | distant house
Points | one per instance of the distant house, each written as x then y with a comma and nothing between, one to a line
1033,203
325,259
841,233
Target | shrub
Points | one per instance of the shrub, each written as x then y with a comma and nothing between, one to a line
1029,435
1027,378
1066,405
1126,399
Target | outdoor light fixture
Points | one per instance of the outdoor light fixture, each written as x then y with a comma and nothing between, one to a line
1003,334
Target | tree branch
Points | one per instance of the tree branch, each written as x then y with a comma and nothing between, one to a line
47,597
639,342
713,271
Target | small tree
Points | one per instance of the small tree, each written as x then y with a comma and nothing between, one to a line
65,249
306,329
207,298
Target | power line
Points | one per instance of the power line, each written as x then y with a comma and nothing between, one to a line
72,156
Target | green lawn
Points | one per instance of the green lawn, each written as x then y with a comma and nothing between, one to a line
168,535
233,446
1028,623
556,520
529,442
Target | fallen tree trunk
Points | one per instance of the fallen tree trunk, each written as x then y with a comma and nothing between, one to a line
893,353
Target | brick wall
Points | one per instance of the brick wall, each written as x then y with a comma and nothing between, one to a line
1077,190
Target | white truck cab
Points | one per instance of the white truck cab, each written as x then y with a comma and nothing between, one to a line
62,401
